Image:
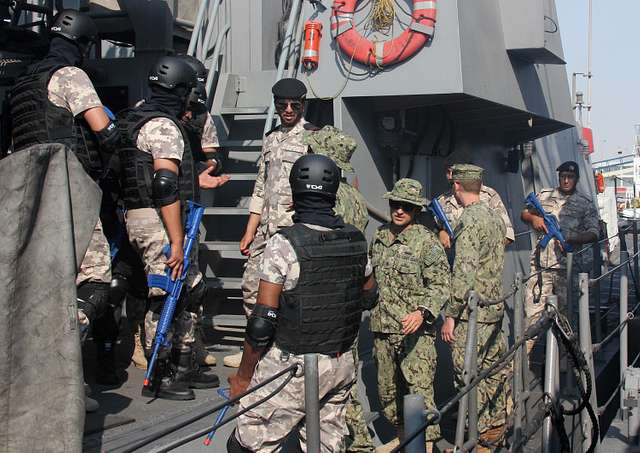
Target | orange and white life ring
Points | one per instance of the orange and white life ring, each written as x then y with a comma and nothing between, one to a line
382,53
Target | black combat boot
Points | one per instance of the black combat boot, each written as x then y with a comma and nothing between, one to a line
188,370
165,384
106,372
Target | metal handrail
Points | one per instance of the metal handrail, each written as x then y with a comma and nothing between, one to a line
615,269
197,27
209,32
213,68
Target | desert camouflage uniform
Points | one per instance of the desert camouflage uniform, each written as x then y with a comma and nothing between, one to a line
576,213
351,206
71,89
209,133
265,427
489,196
412,272
271,199
478,266
163,140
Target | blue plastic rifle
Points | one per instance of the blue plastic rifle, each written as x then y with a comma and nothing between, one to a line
551,222
224,393
173,288
441,217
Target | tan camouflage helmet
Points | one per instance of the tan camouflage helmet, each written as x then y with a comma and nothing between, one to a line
333,143
407,190
466,172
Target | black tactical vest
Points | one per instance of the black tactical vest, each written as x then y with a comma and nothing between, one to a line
137,166
36,120
322,313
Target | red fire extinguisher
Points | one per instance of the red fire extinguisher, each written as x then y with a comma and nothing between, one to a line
312,35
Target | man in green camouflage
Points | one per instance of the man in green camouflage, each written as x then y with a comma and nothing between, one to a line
351,206
478,266
412,272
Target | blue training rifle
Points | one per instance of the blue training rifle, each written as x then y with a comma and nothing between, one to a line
173,288
551,222
441,217
224,393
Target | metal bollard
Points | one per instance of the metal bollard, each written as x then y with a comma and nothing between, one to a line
312,402
551,383
624,331
470,370
414,418
597,267
635,248
571,309
586,343
518,377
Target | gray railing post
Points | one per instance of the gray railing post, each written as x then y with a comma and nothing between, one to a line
571,307
597,267
469,402
624,340
284,57
312,402
635,247
586,347
518,381
551,384
414,418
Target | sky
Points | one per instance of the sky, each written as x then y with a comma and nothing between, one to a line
615,67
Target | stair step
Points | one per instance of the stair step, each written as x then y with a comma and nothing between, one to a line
262,110
224,282
226,211
245,156
230,320
256,143
243,176
229,250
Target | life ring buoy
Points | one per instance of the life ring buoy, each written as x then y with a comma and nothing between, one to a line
382,53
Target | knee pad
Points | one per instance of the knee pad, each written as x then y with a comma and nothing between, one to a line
196,296
93,299
234,446
155,304
118,291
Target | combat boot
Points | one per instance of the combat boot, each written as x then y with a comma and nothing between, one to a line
233,360
189,371
165,385
106,372
203,357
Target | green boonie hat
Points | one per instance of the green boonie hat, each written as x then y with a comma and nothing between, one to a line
466,172
407,190
332,142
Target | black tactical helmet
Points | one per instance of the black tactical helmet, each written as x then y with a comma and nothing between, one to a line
314,173
172,72
74,25
198,96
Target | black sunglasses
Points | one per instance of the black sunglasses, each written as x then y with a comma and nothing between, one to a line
281,105
406,207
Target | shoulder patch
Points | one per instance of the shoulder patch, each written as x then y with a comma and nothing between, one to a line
272,131
310,127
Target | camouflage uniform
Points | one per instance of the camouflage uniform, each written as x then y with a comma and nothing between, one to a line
412,273
478,266
576,213
209,133
271,199
489,196
71,89
350,205
163,140
264,428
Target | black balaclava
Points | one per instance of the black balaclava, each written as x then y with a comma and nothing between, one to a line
62,52
316,209
167,101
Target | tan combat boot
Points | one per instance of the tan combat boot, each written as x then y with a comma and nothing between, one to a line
138,358
203,357
386,448
233,360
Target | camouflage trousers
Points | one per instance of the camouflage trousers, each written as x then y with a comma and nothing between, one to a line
549,283
264,428
148,238
252,271
96,264
358,440
406,364
493,391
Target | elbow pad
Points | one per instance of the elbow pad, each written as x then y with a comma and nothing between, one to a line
164,187
261,326
370,298
109,138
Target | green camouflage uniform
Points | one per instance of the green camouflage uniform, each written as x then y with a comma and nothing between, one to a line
412,273
350,205
478,266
